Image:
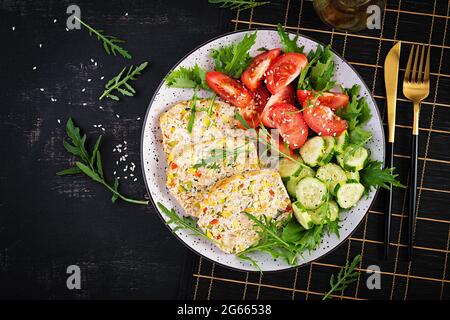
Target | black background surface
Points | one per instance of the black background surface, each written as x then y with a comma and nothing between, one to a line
124,251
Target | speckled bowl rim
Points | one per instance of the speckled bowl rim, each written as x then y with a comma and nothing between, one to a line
341,241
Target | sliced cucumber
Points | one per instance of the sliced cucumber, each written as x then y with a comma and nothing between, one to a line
302,216
342,142
319,216
329,150
313,151
333,210
352,175
288,168
291,186
306,172
331,174
348,194
356,160
311,192
340,160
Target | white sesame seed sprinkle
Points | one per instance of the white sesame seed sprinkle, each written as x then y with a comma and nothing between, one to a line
59,121
117,116
55,20
89,80
42,89
13,28
83,90
34,68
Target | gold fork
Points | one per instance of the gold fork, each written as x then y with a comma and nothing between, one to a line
416,87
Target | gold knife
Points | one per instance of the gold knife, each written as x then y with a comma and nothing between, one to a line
391,80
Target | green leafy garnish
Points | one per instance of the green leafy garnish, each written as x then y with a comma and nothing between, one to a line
357,111
220,154
239,4
110,43
346,276
90,164
289,45
373,175
182,222
359,136
187,78
193,107
120,82
233,59
317,76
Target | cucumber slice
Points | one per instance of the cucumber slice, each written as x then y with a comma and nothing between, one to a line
319,216
348,194
329,150
331,174
352,175
357,160
340,160
306,172
313,151
289,168
302,216
333,210
291,185
342,142
311,192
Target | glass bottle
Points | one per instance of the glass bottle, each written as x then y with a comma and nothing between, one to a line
348,15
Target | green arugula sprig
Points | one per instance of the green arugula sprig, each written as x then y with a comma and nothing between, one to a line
121,83
289,45
110,43
90,164
373,175
182,222
239,4
347,275
234,58
318,74
357,112
220,154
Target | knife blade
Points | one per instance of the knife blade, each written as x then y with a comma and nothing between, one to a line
391,80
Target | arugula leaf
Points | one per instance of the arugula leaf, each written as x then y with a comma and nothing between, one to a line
187,78
357,111
233,59
289,45
346,276
109,42
182,222
373,175
90,165
121,84
239,4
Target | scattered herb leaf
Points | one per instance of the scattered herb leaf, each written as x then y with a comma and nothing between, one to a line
373,175
289,45
239,4
346,276
120,82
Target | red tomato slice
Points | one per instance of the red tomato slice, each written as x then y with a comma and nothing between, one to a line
285,95
261,96
284,70
323,121
229,89
251,115
334,100
253,76
289,121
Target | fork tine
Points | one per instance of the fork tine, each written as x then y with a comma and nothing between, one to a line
408,66
419,72
427,67
414,70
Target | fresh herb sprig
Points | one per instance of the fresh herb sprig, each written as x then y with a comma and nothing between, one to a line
234,58
289,45
357,112
90,163
182,222
185,77
373,175
347,275
220,154
319,72
121,83
239,4
110,43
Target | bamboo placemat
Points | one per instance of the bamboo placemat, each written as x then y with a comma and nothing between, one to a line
427,276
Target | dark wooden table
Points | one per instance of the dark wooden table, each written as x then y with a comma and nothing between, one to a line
124,251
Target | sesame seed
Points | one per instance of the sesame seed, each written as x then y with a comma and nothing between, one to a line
92,60
59,121
34,68
138,118
84,104
126,14
102,77
83,90
117,116
13,28
40,45
54,21
89,80
42,89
